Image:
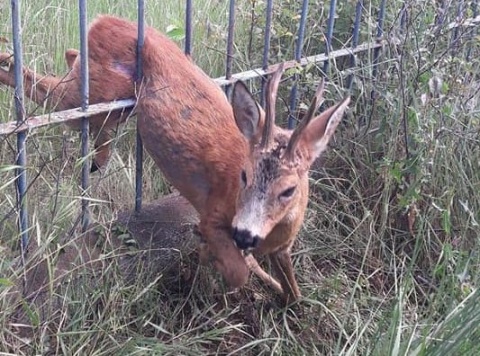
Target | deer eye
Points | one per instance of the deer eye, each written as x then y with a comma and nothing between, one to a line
287,193
243,176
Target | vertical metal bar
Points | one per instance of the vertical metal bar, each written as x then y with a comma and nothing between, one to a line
188,28
298,54
229,60
82,5
329,35
474,30
376,57
21,181
376,51
355,36
403,17
456,30
266,46
440,18
139,143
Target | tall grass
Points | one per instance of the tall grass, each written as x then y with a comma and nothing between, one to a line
388,258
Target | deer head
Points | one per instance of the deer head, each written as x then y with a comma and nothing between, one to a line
274,180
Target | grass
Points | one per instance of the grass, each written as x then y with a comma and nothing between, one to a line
388,259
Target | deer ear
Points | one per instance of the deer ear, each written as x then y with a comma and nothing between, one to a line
248,115
316,135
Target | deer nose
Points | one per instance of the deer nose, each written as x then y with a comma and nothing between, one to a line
244,239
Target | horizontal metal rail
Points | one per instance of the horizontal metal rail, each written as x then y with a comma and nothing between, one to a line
60,117
76,114
318,58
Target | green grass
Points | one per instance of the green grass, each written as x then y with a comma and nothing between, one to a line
388,259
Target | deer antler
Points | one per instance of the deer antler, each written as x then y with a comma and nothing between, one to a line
314,105
271,95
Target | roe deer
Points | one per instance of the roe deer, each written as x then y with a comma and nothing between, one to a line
274,179
235,166
111,78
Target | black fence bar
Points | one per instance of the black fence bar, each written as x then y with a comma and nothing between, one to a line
379,35
355,37
84,87
229,60
266,46
298,54
21,161
139,144
457,30
188,28
473,32
403,18
329,34
376,57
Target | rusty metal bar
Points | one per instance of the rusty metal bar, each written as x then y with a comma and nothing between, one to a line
74,114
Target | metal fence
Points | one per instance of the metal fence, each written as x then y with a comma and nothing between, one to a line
23,124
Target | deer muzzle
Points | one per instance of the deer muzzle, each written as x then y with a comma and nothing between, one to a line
244,239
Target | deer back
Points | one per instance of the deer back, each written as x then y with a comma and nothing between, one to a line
187,126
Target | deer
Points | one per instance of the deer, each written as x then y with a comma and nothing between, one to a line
63,92
246,177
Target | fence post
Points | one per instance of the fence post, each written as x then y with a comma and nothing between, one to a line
266,47
376,57
329,35
229,60
188,28
21,161
139,144
82,4
298,55
355,36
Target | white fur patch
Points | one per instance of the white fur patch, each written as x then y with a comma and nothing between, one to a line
251,218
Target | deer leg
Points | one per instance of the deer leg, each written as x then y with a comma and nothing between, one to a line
251,261
225,256
266,278
282,263
102,148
